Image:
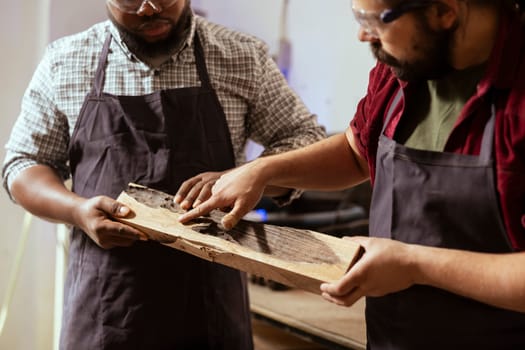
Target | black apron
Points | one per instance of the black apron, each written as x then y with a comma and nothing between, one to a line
149,296
442,200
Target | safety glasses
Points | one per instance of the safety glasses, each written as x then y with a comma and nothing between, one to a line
370,21
134,6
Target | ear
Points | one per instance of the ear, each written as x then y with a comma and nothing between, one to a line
444,14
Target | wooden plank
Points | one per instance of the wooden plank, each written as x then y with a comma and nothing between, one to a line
298,258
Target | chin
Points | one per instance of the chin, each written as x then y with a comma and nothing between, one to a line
417,72
155,39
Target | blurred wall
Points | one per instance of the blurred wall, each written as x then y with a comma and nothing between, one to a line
23,32
329,70
329,67
26,26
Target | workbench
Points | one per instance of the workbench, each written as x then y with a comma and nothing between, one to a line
309,315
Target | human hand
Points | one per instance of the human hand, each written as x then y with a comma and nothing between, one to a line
384,268
196,190
239,189
93,216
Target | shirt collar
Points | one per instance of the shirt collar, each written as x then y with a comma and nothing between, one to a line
505,62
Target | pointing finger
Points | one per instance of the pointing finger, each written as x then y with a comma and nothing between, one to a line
200,210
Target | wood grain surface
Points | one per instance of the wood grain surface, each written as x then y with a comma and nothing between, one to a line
298,258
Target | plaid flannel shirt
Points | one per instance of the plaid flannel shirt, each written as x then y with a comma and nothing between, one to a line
258,103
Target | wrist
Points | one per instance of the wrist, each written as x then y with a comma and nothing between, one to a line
415,256
264,170
75,211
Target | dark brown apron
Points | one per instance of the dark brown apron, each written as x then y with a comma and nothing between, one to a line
442,200
150,296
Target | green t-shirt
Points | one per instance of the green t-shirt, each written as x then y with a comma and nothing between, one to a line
433,108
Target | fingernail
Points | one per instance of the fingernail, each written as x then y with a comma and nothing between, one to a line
177,199
227,224
185,205
123,211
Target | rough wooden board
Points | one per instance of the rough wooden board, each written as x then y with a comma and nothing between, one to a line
298,258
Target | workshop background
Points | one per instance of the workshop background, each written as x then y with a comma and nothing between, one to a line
328,67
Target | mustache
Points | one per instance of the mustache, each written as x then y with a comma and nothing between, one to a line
148,21
382,56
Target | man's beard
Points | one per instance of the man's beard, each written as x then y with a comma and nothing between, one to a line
164,47
434,53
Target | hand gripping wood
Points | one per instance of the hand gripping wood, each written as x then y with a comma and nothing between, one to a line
298,258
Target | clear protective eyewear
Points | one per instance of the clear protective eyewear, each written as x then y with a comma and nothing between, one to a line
134,6
370,21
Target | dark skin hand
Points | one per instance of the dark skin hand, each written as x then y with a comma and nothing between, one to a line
95,219
42,192
196,190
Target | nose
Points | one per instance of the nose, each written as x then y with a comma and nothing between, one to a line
366,35
148,8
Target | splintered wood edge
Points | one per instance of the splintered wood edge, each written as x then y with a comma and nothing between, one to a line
207,242
304,275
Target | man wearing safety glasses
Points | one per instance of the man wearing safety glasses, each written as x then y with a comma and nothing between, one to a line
441,134
155,96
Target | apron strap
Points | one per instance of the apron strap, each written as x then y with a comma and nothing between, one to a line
487,143
392,108
201,64
100,74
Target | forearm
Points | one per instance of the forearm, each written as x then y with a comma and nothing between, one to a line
327,165
495,279
330,164
42,192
